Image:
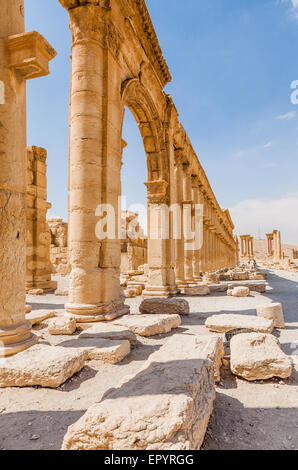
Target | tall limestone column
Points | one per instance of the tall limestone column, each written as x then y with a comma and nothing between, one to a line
95,163
197,250
22,56
277,246
179,241
188,213
161,278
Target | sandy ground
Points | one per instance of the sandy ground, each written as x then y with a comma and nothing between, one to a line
246,415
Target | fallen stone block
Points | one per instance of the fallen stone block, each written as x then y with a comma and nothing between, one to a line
273,312
46,366
35,292
173,306
166,405
226,322
105,350
38,316
256,356
213,348
62,326
61,292
239,292
109,331
255,286
196,291
150,325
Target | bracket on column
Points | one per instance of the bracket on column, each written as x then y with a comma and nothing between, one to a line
30,54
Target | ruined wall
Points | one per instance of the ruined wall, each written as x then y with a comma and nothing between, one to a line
38,265
134,248
59,246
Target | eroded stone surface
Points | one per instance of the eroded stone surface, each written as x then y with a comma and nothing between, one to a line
109,331
226,322
239,292
165,406
273,312
62,326
196,291
105,350
150,325
165,306
213,349
42,365
257,356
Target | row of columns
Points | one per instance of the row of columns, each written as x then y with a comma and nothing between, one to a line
217,249
274,247
247,246
96,113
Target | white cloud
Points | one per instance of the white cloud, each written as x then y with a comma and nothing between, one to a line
287,116
280,214
294,6
253,150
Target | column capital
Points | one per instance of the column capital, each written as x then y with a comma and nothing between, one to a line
90,21
157,192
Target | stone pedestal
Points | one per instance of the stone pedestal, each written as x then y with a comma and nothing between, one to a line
22,56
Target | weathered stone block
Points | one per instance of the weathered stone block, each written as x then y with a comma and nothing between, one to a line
109,331
239,292
62,326
173,306
256,356
273,312
42,365
226,322
110,352
38,316
165,406
150,325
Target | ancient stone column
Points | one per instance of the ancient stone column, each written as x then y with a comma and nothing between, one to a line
179,241
188,209
277,246
22,56
95,164
161,281
197,251
38,264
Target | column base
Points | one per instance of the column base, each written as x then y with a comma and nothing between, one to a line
92,313
16,338
160,291
46,286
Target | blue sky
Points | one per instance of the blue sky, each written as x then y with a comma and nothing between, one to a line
232,63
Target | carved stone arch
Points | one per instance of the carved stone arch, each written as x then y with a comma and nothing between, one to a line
139,101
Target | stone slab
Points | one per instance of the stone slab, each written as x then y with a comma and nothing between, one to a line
158,306
196,291
46,366
257,356
109,331
38,316
225,322
150,325
255,286
166,405
62,326
105,350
